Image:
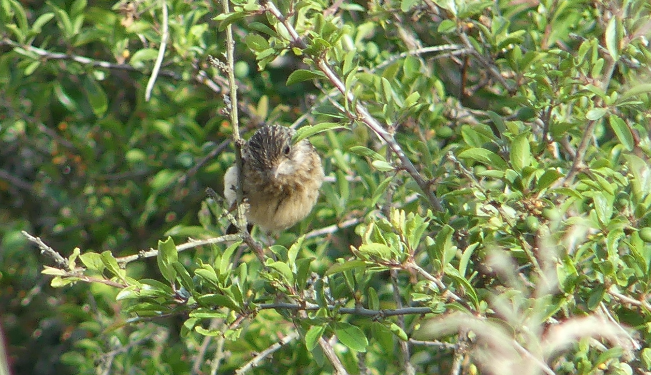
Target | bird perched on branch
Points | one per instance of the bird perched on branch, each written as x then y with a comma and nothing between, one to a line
281,180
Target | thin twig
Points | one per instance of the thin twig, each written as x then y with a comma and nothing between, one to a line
188,245
627,299
446,292
334,228
329,352
435,344
219,355
454,49
579,155
267,352
45,249
542,365
404,347
203,160
161,53
605,311
359,311
27,50
489,67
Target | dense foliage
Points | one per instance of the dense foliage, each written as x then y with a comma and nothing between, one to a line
487,206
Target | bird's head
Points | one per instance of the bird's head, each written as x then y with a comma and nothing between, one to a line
272,152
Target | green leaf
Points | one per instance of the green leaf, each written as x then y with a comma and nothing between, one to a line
217,300
498,121
548,178
348,265
623,132
256,42
484,156
284,270
373,299
376,250
64,21
477,136
186,279
167,255
92,261
208,273
383,166
467,286
209,332
443,243
308,131
164,178
226,258
293,251
112,264
351,336
465,258
157,285
411,100
145,54
604,207
646,358
367,152
228,18
447,26
643,88
381,190
68,102
301,75
136,292
520,152
399,332
47,270
41,21
312,336
612,37
596,113
261,27
96,95
406,5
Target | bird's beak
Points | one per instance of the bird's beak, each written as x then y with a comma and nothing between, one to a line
284,167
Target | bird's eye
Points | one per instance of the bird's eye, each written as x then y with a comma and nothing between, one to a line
286,150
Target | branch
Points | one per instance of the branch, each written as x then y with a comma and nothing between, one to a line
360,311
404,347
435,344
579,155
265,353
161,54
453,50
329,352
45,249
28,50
446,292
489,67
188,245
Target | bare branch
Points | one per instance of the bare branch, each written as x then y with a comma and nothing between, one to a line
267,352
161,54
45,249
32,51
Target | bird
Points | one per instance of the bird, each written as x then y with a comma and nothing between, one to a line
281,179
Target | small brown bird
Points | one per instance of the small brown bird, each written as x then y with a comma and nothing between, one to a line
281,180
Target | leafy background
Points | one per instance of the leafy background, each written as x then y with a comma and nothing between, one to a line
512,235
